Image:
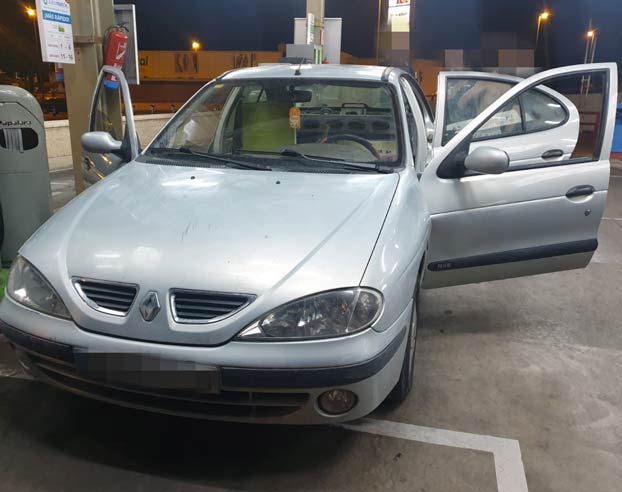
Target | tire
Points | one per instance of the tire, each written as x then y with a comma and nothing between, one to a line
404,384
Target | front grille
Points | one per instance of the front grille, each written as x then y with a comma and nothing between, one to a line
194,306
107,297
55,363
227,403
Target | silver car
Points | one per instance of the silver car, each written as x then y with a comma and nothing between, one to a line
261,260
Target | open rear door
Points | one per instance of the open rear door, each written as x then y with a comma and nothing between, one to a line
535,217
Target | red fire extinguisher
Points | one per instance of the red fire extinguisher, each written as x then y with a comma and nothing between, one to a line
115,49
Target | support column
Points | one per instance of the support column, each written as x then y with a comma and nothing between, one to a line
90,19
316,7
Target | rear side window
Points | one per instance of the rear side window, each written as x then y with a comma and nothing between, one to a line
533,111
504,123
541,111
467,98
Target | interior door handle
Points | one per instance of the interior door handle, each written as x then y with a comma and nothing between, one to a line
581,190
550,154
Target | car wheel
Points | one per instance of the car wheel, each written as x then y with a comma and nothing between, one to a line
401,390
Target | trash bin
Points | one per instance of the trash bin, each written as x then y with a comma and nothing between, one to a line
25,196
617,132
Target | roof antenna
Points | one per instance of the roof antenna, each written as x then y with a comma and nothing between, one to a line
298,72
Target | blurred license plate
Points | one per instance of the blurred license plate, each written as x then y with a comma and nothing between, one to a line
147,371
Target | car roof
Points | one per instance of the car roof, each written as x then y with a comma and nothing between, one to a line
328,71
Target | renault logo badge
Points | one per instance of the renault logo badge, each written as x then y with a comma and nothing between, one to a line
149,306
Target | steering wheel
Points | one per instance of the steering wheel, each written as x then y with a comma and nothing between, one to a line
353,138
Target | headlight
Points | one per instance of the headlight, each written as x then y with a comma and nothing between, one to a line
28,287
325,315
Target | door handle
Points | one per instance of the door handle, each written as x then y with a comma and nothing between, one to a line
550,154
581,190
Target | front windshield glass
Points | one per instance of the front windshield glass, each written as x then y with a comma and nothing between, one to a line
279,121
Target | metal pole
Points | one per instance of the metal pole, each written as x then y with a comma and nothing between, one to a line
587,43
547,61
592,53
34,28
90,19
538,30
37,53
378,33
586,56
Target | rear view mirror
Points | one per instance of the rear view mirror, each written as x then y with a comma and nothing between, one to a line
302,96
487,160
100,143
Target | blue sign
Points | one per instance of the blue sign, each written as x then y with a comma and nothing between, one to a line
56,17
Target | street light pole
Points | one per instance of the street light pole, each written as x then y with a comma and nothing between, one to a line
590,53
32,16
589,35
543,16
378,33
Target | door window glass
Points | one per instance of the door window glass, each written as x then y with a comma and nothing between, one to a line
424,106
205,115
571,109
504,123
467,98
109,112
585,96
412,127
542,112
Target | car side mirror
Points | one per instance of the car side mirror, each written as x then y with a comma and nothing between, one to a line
487,160
101,143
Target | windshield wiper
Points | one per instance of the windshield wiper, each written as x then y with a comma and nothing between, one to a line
214,157
365,166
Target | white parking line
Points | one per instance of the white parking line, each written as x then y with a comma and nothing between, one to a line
506,452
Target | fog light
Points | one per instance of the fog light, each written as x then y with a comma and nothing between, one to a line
337,401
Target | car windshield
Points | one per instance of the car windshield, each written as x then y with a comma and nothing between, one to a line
295,124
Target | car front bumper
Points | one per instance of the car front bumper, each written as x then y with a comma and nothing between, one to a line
253,384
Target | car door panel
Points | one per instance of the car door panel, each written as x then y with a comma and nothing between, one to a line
499,242
487,227
480,191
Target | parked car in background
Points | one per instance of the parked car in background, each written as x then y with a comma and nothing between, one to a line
261,260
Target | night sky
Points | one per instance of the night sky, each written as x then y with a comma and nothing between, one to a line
263,24
439,24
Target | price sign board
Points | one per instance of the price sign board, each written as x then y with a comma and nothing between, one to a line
54,20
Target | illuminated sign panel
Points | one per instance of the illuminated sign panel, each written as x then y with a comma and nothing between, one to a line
399,15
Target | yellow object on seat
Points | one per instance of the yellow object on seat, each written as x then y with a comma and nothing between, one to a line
265,126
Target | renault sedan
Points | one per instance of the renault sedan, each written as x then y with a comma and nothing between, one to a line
261,259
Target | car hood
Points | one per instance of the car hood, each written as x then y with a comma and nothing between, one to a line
275,235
